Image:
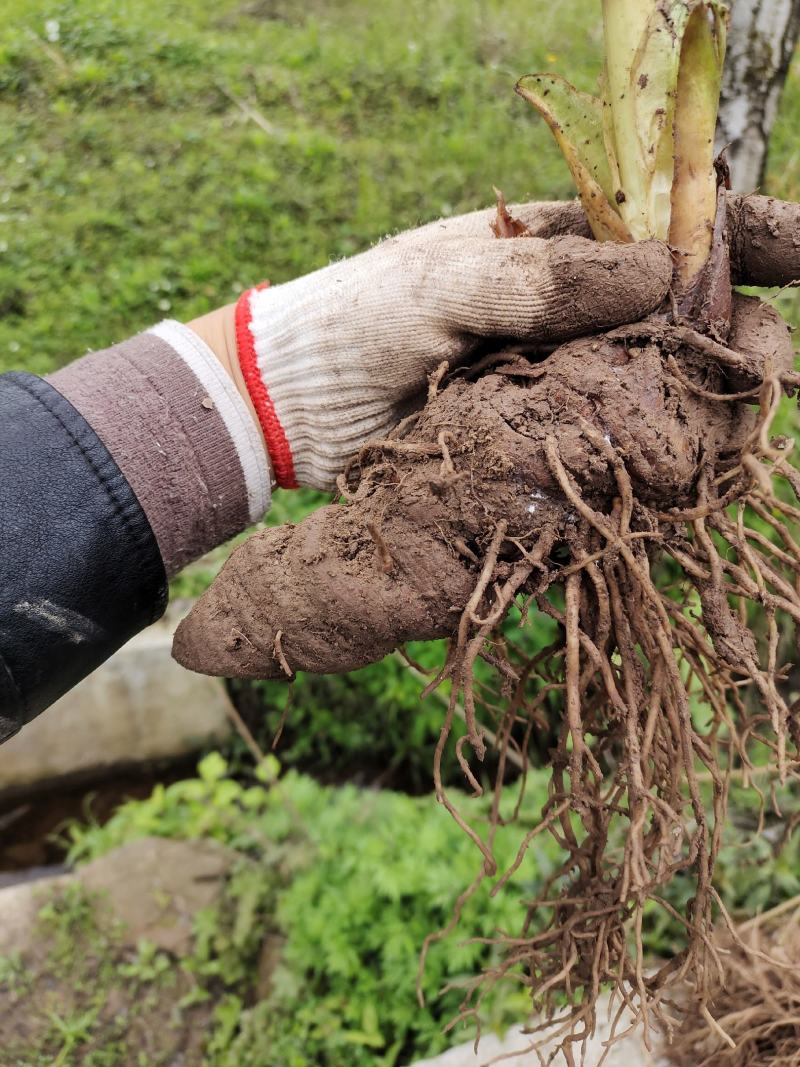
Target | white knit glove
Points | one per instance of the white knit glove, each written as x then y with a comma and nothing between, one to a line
335,358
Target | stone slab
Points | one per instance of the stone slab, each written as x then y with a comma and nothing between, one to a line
155,887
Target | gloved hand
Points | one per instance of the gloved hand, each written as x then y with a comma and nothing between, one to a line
337,357
404,306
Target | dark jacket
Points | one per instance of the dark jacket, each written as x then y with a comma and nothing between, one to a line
80,569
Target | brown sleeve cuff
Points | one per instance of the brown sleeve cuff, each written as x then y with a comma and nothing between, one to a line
173,421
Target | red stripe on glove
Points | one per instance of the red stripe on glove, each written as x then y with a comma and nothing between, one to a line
280,452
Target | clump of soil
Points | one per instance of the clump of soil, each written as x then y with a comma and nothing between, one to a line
625,485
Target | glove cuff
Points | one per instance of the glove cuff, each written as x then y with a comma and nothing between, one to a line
249,347
180,432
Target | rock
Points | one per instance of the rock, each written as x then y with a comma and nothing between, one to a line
155,887
139,707
628,1052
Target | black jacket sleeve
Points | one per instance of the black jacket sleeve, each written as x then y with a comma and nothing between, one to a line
80,569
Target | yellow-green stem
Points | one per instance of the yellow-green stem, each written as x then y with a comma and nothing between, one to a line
694,187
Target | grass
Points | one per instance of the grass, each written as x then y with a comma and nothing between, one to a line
135,186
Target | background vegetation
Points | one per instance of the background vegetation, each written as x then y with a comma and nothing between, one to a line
158,157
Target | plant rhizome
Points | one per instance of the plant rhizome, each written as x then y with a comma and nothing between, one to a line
627,486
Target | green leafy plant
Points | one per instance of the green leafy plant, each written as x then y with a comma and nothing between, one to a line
347,884
369,726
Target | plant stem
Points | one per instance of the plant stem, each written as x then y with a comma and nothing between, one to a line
694,187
